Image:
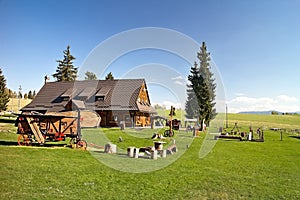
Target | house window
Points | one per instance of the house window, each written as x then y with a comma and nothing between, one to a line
100,98
127,117
65,98
115,117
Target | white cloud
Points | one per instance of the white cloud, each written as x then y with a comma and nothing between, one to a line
179,80
286,98
168,104
239,94
283,103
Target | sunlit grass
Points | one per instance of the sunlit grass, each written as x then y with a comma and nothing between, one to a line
232,170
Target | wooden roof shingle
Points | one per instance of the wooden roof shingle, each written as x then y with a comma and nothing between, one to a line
120,94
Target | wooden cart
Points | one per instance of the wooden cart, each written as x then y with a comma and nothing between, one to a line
40,128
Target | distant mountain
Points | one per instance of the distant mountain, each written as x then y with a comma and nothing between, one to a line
258,112
267,112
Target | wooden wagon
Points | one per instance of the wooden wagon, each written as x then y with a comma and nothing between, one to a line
40,128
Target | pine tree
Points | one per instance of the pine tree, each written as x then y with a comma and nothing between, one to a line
20,95
30,95
65,70
4,99
208,89
191,105
90,76
201,92
109,76
33,94
10,93
14,94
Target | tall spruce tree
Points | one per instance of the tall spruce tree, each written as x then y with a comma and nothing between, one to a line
191,105
65,70
4,99
200,103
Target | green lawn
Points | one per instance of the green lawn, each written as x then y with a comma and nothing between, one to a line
232,170
287,122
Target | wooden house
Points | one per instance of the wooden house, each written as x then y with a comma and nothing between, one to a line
116,101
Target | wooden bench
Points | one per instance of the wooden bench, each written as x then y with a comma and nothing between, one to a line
228,137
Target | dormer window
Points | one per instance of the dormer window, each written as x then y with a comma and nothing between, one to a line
66,96
100,98
86,93
102,93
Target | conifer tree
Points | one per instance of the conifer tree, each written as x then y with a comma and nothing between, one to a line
191,105
30,95
10,93
4,99
208,89
201,92
65,70
109,76
90,76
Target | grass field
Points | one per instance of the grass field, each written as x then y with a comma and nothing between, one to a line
232,170
15,104
287,122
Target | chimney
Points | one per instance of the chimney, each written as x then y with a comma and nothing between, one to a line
46,78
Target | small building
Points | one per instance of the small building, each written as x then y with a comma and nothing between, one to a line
116,101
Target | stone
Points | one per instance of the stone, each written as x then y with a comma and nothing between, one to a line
154,155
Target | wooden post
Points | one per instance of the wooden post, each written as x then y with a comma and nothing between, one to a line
154,155
78,124
164,153
130,152
171,122
136,155
172,112
226,116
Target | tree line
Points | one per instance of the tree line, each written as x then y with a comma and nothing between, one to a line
14,94
200,103
6,93
66,71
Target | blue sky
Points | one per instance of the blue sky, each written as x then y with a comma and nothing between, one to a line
254,44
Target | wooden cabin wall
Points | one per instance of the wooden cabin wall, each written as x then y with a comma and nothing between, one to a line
113,119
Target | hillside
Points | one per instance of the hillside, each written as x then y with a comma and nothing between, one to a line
13,104
289,122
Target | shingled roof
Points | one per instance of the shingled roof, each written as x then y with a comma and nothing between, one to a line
121,94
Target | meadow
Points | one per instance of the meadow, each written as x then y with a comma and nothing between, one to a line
232,169
15,104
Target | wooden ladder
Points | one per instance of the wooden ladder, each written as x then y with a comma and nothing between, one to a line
35,129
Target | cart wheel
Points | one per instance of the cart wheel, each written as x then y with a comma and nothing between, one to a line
23,140
72,143
171,133
166,133
82,144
